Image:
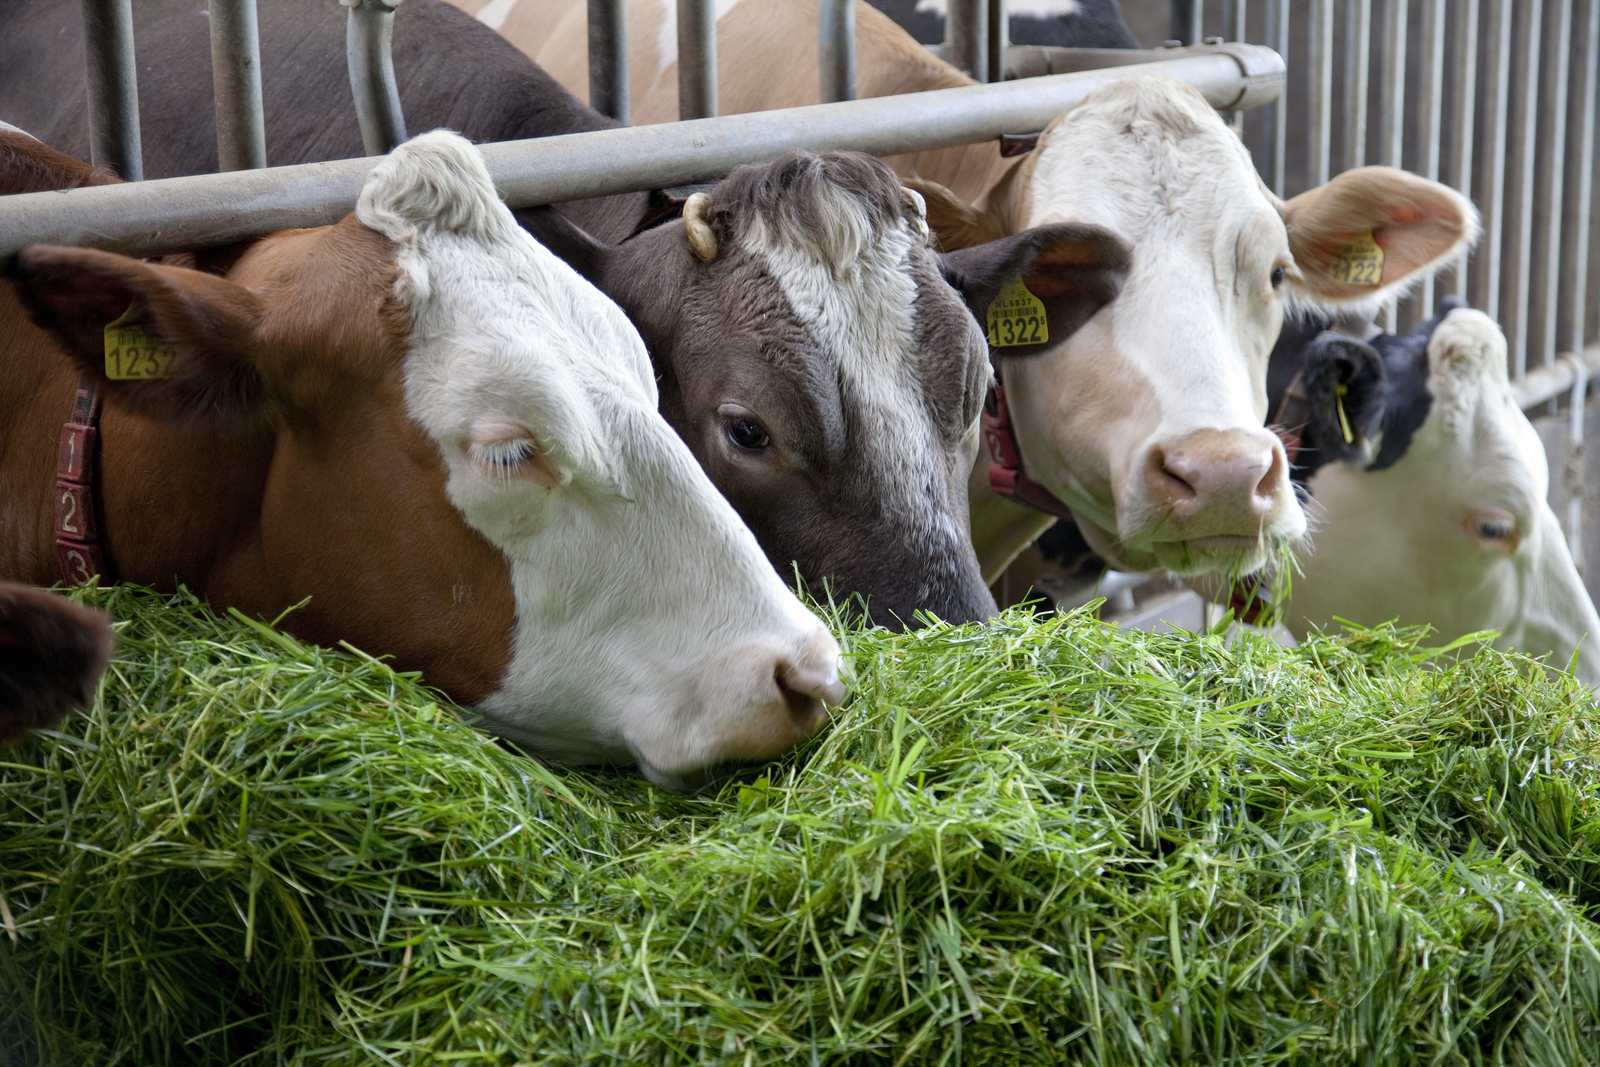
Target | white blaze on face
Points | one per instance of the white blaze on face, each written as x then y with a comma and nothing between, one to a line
1173,371
1457,534
850,283
650,627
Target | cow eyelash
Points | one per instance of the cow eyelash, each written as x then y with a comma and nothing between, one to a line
501,457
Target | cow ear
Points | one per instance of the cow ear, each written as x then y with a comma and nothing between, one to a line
952,221
54,652
197,330
570,242
1369,231
1072,268
1342,386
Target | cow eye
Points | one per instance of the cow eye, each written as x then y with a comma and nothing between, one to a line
1277,277
747,433
1495,529
501,457
1492,529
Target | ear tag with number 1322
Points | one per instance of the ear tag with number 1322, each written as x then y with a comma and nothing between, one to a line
1017,317
133,353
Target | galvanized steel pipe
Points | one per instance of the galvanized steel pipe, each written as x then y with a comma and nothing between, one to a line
113,87
966,31
697,59
367,38
236,82
608,58
174,214
836,49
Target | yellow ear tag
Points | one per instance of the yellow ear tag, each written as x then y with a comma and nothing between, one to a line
134,353
1344,423
1358,263
1017,317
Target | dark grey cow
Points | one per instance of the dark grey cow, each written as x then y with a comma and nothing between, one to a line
827,368
52,653
453,72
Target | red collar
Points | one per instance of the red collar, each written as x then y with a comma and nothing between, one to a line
77,531
1006,475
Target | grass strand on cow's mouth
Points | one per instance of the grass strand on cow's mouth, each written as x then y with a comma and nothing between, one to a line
1032,841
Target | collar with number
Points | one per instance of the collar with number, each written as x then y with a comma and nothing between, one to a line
77,527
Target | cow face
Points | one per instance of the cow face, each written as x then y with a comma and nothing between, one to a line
1148,422
824,371
1450,525
467,472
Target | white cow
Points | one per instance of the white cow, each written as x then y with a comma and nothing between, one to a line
1148,421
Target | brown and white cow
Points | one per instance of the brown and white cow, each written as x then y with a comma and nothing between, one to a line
431,427
1148,421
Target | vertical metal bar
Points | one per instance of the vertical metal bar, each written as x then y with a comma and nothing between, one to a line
1550,169
1574,272
697,59
1392,118
999,39
1277,117
113,87
1430,101
1321,90
1188,20
1497,73
1521,126
367,37
608,58
1465,91
836,49
1358,68
966,28
236,84
1233,29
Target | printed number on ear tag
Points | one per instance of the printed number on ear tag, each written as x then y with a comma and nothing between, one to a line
134,353
1358,263
1016,317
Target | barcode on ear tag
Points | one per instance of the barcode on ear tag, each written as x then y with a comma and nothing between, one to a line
1358,263
134,353
1017,317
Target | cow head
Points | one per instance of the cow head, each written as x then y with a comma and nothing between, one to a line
1149,420
1449,524
463,468
829,378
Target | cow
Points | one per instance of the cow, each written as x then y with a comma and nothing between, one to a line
52,653
834,506
1427,490
826,368
1056,23
432,432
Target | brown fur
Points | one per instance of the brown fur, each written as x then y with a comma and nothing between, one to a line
29,166
280,463
52,653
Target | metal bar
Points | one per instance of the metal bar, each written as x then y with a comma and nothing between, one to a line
1358,67
1277,118
1392,116
175,214
836,49
113,87
697,59
236,83
1550,169
1321,91
1574,272
608,58
1430,100
966,28
1544,384
1233,29
1519,133
367,36
1188,20
1465,92
1485,285
999,39
1573,468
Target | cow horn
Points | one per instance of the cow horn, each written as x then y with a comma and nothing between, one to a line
920,207
701,239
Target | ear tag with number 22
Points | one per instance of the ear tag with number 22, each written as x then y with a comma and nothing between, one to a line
1017,317
1360,262
133,353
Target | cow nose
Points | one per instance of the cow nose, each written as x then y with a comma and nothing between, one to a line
810,684
1227,476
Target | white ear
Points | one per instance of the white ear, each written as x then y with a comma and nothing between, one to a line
701,239
434,182
1395,225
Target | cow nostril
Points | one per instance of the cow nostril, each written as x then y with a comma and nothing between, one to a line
1165,482
806,709
1272,481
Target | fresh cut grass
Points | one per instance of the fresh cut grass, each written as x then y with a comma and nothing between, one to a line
1032,841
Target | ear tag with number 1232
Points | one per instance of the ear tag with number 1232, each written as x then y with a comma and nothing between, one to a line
1017,317
133,353
1360,262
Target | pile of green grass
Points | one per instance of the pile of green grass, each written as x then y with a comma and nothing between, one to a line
1036,841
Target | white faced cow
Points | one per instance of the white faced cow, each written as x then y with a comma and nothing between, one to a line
1148,421
430,426
1436,512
